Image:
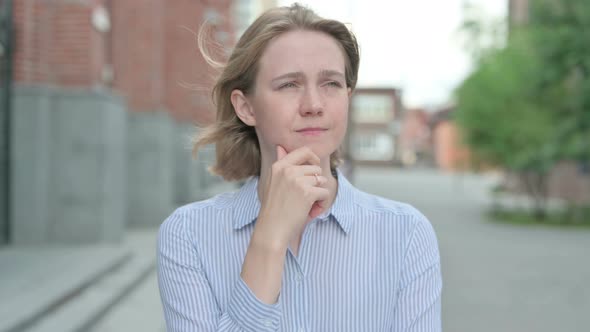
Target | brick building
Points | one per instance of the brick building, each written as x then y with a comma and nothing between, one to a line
450,153
101,114
374,122
415,143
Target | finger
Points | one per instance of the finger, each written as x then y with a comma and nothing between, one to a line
318,194
316,209
302,170
281,152
301,156
314,180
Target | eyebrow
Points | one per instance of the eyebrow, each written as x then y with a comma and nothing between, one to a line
295,74
299,74
328,73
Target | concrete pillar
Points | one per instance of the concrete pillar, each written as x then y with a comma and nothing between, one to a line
150,168
68,162
193,181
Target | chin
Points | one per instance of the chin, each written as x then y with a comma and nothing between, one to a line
322,150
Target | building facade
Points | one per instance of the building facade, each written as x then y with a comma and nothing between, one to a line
450,152
415,142
374,127
104,98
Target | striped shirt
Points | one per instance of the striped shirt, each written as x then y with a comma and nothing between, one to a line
367,264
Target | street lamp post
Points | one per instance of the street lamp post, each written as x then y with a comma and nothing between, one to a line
6,34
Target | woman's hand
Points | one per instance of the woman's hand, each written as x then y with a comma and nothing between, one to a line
292,194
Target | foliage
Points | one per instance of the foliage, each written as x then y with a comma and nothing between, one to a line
561,35
527,103
574,217
503,121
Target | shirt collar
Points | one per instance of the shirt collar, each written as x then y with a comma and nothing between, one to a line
247,205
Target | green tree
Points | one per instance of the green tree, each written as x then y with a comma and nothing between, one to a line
561,38
503,120
527,104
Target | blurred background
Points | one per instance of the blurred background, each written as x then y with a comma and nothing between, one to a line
476,112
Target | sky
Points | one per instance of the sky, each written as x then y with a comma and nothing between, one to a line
409,44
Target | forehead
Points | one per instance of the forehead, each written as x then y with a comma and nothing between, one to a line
303,51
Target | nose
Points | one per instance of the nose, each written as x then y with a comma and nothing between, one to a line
312,103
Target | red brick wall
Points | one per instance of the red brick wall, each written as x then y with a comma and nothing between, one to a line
183,62
450,154
137,48
150,46
155,53
56,44
415,133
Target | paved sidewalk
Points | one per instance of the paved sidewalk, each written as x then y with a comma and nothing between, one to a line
497,277
66,288
141,311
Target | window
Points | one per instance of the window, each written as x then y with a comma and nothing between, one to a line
373,146
372,108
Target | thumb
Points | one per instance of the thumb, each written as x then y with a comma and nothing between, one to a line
281,152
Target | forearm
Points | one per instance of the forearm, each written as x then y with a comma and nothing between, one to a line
262,269
188,301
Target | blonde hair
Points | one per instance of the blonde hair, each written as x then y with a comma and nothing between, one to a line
237,147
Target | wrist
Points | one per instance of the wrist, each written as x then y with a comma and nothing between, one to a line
269,239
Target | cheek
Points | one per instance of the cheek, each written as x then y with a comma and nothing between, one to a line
271,108
340,121
272,120
341,113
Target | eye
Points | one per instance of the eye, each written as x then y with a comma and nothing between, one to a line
335,84
287,85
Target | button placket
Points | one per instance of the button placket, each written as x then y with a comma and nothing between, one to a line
267,323
299,278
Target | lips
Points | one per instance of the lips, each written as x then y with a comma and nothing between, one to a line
311,131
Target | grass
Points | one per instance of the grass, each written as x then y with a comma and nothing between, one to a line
571,217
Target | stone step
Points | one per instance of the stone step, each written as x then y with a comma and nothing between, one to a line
88,306
34,281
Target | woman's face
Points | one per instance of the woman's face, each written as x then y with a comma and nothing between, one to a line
300,97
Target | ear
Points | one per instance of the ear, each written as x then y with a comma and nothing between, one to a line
242,107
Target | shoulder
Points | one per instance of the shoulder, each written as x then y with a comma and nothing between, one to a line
389,215
401,221
198,214
366,203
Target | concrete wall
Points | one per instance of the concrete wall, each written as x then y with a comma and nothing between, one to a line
150,168
185,166
68,164
192,179
162,173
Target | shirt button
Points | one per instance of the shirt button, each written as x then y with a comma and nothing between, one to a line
267,323
298,278
302,330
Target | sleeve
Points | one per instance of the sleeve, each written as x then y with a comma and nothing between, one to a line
187,298
419,296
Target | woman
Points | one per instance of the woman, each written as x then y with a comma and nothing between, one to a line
297,248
